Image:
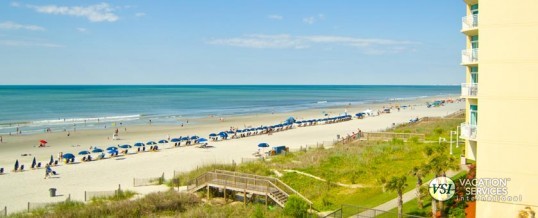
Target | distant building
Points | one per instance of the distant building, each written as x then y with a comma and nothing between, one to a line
501,91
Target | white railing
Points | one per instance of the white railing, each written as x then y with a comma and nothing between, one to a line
469,89
469,55
469,22
468,131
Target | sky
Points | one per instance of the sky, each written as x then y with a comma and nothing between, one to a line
348,42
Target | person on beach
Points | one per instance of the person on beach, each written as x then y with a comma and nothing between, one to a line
1,139
48,171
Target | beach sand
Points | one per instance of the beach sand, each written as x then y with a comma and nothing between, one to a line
22,187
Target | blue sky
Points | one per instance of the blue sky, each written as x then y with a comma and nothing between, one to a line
231,42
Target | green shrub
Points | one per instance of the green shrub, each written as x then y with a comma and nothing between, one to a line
296,207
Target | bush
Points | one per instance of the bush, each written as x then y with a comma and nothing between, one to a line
296,207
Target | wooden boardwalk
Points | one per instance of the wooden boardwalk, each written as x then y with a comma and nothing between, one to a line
247,184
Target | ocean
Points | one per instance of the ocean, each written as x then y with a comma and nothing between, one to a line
32,109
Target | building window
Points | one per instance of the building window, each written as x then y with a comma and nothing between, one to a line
474,41
474,74
474,114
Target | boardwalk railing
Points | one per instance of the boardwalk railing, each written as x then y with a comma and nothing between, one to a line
364,212
88,195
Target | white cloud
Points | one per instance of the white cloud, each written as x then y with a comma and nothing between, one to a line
8,25
82,30
367,45
140,14
23,43
275,17
314,19
94,13
15,4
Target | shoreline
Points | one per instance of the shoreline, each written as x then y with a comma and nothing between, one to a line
29,186
30,127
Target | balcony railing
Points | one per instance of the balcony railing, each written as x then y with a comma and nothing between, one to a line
469,56
469,89
469,22
468,131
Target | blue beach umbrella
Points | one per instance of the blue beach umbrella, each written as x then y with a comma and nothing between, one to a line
68,156
125,146
185,138
290,120
151,143
139,144
162,141
34,163
230,132
223,134
263,145
111,148
202,140
212,135
175,140
194,137
83,152
97,150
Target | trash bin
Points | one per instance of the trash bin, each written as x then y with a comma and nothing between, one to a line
52,192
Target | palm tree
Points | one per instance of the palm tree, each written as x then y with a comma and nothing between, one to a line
440,161
419,172
398,184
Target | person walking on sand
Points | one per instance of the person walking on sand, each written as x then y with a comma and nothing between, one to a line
48,171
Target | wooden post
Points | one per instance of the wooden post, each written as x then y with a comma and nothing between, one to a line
28,207
225,194
266,200
208,192
85,199
245,197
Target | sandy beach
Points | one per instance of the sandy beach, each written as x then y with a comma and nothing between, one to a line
19,188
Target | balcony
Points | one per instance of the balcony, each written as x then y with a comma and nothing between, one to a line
469,90
469,56
469,24
468,131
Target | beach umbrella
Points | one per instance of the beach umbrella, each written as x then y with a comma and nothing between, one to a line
139,144
230,132
51,160
175,140
202,140
125,146
112,151
185,138
111,148
223,134
290,120
33,163
68,156
212,135
263,145
194,137
42,141
151,143
17,164
83,152
97,150
162,141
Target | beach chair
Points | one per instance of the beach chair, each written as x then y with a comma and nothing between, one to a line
2,170
38,165
22,168
84,159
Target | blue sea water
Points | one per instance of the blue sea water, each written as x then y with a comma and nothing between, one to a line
33,108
